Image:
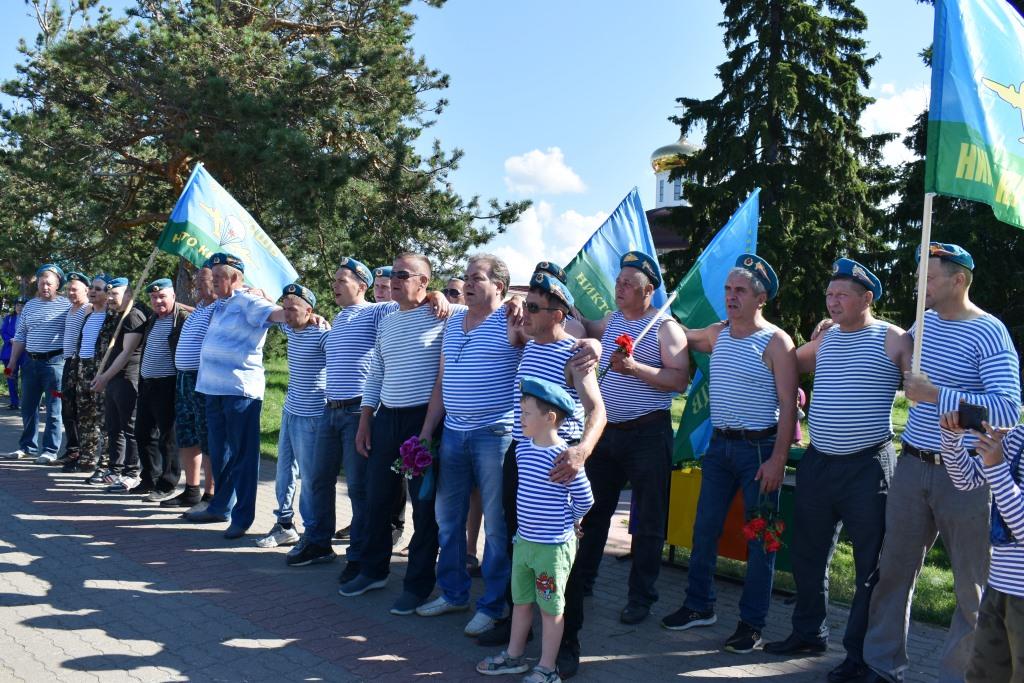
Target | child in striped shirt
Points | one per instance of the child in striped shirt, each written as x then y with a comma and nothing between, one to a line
999,464
544,549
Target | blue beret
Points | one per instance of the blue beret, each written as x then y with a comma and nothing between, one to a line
52,268
222,259
357,267
383,271
295,289
546,283
114,282
644,263
762,270
207,264
21,300
157,285
549,392
849,269
101,276
81,277
552,269
949,252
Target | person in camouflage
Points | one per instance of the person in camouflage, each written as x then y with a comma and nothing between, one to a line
89,402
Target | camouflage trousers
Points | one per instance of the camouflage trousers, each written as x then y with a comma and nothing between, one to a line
999,641
90,411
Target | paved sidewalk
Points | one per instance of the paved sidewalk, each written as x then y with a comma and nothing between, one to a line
95,586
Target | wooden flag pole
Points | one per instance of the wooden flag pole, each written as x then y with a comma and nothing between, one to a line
922,280
127,309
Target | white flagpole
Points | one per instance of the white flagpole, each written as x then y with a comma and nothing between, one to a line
922,280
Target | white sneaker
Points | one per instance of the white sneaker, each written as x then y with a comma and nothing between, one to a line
439,606
279,536
124,484
17,455
478,624
46,458
97,476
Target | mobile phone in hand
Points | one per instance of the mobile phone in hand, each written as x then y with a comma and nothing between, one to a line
971,416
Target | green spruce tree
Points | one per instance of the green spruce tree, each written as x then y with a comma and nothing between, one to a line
787,120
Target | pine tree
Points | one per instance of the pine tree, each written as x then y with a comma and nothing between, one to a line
787,120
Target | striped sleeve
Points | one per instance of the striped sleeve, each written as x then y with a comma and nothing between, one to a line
21,332
964,470
581,497
1005,492
375,380
999,370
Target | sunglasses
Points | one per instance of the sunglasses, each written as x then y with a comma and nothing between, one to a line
451,292
537,308
404,274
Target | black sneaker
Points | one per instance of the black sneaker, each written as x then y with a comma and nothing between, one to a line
343,534
311,553
567,663
185,499
684,618
350,572
744,640
70,465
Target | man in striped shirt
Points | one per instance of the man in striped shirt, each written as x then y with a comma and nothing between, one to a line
40,335
843,478
966,354
77,291
403,377
302,412
753,382
479,358
154,429
189,405
232,381
1000,466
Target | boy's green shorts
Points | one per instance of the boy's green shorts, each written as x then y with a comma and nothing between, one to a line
540,572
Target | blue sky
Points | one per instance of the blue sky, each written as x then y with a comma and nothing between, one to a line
563,102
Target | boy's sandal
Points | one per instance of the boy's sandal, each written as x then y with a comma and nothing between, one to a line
542,675
502,664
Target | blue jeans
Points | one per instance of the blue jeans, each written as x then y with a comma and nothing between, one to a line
294,455
39,380
335,444
469,458
233,429
728,465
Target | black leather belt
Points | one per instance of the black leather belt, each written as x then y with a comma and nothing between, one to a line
930,457
346,403
639,421
45,356
746,434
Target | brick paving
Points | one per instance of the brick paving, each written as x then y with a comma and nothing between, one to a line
102,587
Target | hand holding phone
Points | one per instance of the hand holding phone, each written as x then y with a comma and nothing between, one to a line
971,416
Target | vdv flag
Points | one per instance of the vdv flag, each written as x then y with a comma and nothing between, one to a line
976,115
207,220
700,302
592,272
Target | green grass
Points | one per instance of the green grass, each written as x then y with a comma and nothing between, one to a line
934,600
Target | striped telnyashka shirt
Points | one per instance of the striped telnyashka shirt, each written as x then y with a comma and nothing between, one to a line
307,371
855,383
156,358
350,347
406,358
90,333
190,341
1006,570
625,397
741,387
479,367
972,360
547,361
546,510
73,329
231,362
41,325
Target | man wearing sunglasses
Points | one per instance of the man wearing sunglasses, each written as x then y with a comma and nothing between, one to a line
89,402
967,355
454,291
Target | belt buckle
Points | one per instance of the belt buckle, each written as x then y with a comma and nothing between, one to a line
937,457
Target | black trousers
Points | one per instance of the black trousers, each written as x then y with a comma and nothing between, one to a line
391,427
120,398
69,405
832,492
642,456
154,433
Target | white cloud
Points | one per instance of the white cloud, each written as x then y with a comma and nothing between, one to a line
541,234
541,172
894,112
